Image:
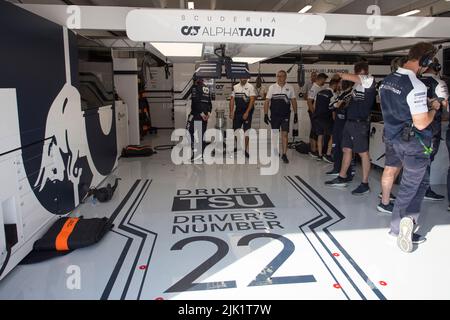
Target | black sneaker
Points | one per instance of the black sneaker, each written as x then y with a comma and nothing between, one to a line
338,182
361,190
319,158
328,159
284,158
391,197
332,173
415,239
418,239
385,208
313,154
433,196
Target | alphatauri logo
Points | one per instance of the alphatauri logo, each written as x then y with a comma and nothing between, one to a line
190,30
228,32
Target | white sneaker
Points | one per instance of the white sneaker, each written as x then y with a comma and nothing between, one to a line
404,239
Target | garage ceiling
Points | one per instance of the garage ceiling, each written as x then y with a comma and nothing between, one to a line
388,7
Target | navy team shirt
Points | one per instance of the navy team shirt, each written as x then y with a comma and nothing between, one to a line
323,101
280,99
242,95
363,99
201,99
402,95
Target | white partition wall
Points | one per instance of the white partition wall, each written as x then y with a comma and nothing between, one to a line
126,84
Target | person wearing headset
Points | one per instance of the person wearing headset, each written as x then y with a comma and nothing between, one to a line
436,89
407,122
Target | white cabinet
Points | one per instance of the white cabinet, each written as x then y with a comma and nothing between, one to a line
440,165
9,209
376,146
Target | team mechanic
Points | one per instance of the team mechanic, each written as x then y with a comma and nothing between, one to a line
407,128
356,130
280,97
243,96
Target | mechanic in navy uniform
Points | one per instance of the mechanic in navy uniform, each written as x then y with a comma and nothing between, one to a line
339,106
436,89
322,117
312,137
243,97
280,97
407,122
318,85
356,130
201,107
390,173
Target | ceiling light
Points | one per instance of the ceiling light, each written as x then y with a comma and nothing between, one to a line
305,9
191,5
249,60
179,49
409,13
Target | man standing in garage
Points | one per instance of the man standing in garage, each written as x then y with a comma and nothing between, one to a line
391,169
407,127
243,96
312,137
201,107
322,118
339,106
436,89
280,97
317,86
356,130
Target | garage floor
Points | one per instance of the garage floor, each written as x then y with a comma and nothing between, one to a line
279,237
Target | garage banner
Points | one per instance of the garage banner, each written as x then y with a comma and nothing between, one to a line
158,25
